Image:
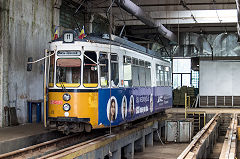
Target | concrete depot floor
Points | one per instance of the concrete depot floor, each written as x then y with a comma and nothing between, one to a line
159,151
207,110
10,133
18,137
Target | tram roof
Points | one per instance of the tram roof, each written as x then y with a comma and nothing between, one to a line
115,40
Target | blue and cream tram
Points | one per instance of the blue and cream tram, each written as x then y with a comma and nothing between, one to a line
94,83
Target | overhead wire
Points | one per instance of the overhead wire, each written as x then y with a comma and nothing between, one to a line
109,13
183,3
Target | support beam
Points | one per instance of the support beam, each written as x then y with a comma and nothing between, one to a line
184,17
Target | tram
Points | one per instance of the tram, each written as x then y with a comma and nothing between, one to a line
96,82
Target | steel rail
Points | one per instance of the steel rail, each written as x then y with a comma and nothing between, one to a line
198,139
230,142
57,148
49,146
55,154
88,146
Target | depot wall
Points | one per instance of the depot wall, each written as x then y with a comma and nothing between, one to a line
28,29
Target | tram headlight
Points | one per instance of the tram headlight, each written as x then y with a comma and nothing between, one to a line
66,107
66,97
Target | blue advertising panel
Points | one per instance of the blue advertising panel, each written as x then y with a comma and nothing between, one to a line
119,105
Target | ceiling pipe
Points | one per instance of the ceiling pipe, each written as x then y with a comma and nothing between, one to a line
238,19
132,8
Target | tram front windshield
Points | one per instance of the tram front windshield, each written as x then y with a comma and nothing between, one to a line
68,72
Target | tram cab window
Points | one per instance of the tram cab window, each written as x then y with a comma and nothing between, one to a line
148,73
127,70
114,71
90,74
51,71
103,65
68,72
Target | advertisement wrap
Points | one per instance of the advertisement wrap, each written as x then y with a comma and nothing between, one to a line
120,105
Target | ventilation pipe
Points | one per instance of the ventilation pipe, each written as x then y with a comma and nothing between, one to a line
132,8
238,19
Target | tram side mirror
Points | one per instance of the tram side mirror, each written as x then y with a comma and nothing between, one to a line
29,65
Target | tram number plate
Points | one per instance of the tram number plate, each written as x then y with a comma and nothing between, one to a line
56,102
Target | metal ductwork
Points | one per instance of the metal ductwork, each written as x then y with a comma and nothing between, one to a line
132,8
238,19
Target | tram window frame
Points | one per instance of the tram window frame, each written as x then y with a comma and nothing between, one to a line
148,79
95,83
104,82
68,84
115,81
127,71
51,70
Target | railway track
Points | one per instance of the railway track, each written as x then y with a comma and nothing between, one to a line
61,153
229,149
51,146
60,147
200,140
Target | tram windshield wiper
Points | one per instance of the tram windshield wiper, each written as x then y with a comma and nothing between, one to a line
63,86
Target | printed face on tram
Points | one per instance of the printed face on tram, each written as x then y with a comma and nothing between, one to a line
124,107
112,110
132,105
151,103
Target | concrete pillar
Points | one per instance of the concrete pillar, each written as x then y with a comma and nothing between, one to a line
91,24
56,13
4,60
129,151
139,145
155,136
116,154
149,139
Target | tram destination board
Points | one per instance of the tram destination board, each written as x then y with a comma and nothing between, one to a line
69,53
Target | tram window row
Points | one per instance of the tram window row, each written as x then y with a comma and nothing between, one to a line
136,72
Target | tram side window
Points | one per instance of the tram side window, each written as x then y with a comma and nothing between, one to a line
90,74
51,71
135,72
169,77
162,76
158,78
114,70
166,75
142,74
127,70
68,72
103,61
148,73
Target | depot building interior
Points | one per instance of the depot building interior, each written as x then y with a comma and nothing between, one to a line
173,79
